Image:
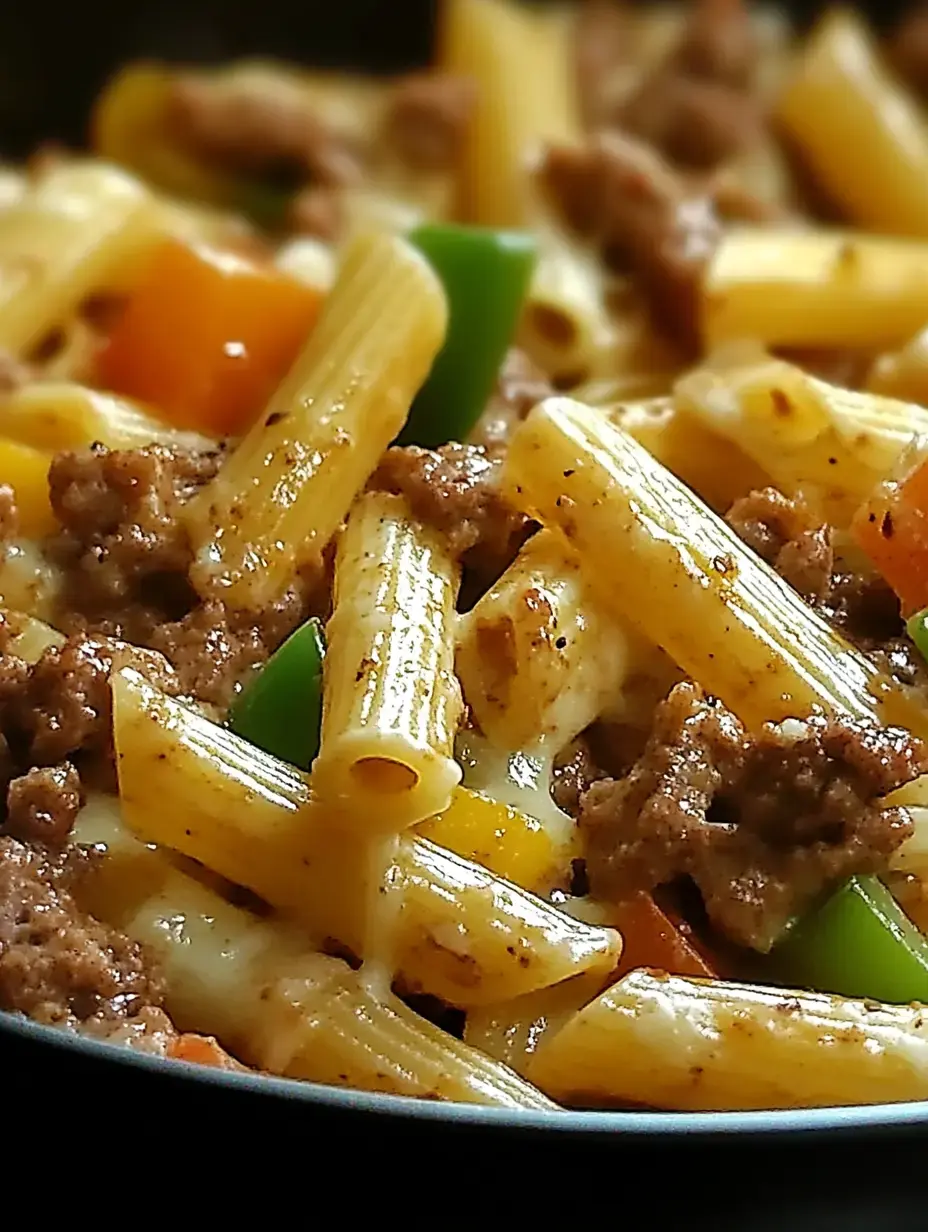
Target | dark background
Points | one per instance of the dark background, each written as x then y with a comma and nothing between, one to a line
94,1129
54,60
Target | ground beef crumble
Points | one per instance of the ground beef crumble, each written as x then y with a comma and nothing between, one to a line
863,608
125,556
762,824
427,118
59,965
260,126
519,386
697,106
648,221
42,804
455,489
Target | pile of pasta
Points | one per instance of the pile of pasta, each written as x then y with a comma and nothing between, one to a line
431,851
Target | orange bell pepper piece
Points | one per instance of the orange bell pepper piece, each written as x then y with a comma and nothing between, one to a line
651,940
892,528
203,1050
206,336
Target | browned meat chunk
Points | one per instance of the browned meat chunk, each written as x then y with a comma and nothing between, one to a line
520,384
260,126
455,489
696,107
57,964
42,805
779,531
317,211
427,118
619,193
603,44
60,706
761,824
718,44
118,509
573,773
695,123
126,557
863,608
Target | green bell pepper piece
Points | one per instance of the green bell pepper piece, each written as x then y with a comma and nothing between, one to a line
281,709
917,629
486,275
859,943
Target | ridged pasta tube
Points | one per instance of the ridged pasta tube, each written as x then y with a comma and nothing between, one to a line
512,1033
257,986
57,415
566,326
714,467
662,558
391,703
29,637
62,240
833,445
814,289
862,137
461,933
521,64
289,483
671,1042
538,656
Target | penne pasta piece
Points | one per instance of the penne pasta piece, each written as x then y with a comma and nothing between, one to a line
904,373
28,637
566,326
257,985
289,483
512,1033
671,1042
690,583
814,288
29,583
337,1032
861,136
391,700
538,657
833,445
461,933
54,415
525,95
714,467
64,239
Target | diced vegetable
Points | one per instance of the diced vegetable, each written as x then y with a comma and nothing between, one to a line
917,629
206,336
892,528
486,275
25,470
281,709
651,940
203,1050
860,943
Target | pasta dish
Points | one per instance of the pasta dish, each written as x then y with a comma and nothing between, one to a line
464,565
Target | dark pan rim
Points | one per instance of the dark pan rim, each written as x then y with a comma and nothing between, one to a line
631,1126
